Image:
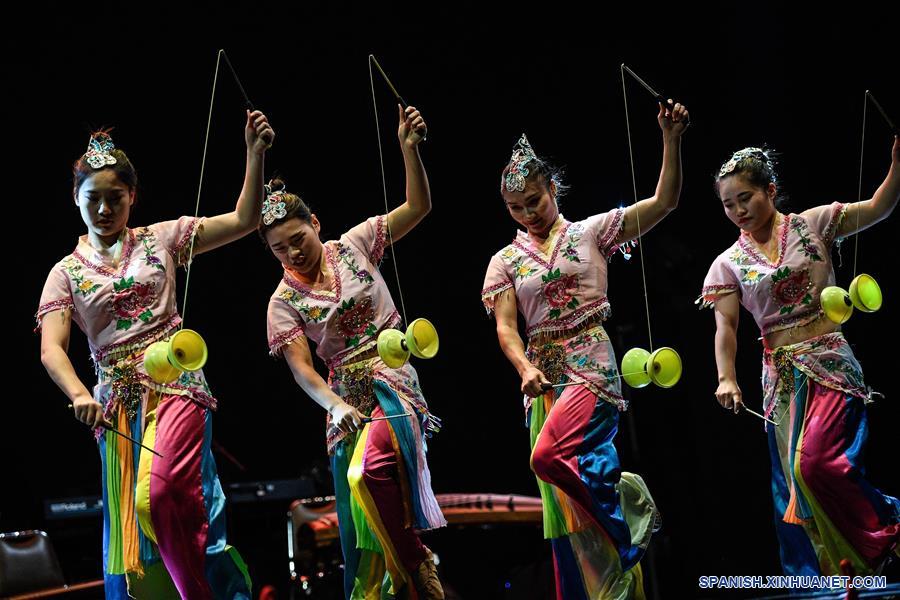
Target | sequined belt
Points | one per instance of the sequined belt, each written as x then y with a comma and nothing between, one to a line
126,386
781,358
550,359
556,336
117,366
355,381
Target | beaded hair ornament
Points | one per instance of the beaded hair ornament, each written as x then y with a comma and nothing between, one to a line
518,171
732,163
273,206
99,150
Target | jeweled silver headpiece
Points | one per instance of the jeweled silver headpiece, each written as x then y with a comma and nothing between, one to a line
98,152
757,153
518,171
273,206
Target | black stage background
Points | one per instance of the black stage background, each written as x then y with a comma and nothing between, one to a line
749,73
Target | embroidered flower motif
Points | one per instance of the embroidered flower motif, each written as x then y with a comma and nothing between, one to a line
570,252
807,247
559,292
521,270
508,253
587,339
791,289
586,364
193,379
738,257
751,275
355,320
83,286
148,241
313,313
349,259
130,302
609,373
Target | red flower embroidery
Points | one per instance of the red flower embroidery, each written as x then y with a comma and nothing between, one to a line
792,288
560,292
131,302
355,317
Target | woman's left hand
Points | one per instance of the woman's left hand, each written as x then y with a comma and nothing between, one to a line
412,129
673,118
258,134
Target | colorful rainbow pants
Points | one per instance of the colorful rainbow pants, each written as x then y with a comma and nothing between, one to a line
164,518
598,518
383,495
825,510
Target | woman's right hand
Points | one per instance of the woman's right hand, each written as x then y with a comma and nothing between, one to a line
729,395
346,418
533,382
258,134
673,118
412,128
89,411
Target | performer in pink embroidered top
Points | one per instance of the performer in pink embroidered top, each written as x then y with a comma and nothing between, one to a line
813,386
333,294
118,286
555,274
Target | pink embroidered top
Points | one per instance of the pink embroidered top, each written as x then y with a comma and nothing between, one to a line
122,309
346,318
784,293
345,321
561,292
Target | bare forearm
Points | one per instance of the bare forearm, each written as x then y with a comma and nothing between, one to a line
513,348
316,388
726,351
668,189
885,198
249,204
418,192
61,371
